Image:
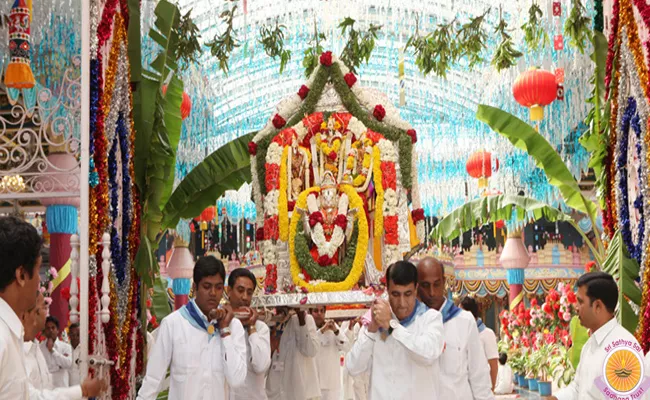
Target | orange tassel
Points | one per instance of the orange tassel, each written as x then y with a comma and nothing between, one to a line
19,74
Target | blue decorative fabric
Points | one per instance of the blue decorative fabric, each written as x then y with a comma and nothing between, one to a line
181,286
515,276
449,311
419,309
195,317
480,325
61,219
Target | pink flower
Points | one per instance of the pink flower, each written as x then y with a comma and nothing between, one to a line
566,316
53,272
50,286
48,301
42,289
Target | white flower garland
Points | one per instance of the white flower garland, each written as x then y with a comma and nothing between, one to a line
325,247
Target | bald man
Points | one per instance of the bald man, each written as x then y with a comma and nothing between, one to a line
464,371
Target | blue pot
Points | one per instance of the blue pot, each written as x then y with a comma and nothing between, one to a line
545,388
523,382
532,384
516,380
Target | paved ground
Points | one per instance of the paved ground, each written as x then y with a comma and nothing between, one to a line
521,395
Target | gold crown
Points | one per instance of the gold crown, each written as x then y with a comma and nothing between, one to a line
328,181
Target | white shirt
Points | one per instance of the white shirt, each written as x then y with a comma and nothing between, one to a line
258,360
14,383
592,359
404,366
199,366
489,342
74,376
293,374
504,384
328,359
464,370
37,372
59,361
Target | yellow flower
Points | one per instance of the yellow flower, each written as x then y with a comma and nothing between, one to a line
307,152
366,161
350,162
283,211
359,256
359,180
379,203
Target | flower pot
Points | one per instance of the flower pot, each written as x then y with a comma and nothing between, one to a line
523,382
545,388
532,384
516,379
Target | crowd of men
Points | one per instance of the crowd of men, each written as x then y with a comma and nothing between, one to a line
416,344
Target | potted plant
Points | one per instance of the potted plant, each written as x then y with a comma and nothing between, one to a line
561,369
518,364
544,356
532,368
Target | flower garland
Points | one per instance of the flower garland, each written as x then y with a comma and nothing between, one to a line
379,188
283,208
360,255
47,286
327,248
330,272
389,184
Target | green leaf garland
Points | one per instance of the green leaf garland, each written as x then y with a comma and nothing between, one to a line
506,54
189,50
330,273
576,26
534,34
359,46
273,42
223,45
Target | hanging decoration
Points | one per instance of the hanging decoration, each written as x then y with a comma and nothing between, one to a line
535,89
19,72
481,165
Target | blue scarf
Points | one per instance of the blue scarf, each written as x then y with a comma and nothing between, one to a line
419,309
193,315
480,325
449,311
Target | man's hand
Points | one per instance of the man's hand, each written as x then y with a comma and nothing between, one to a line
227,318
50,345
381,313
253,317
93,387
301,316
217,314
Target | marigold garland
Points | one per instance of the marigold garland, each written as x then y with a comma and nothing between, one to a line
362,244
282,198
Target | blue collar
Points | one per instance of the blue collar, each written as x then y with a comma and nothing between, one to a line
195,317
419,309
449,311
480,325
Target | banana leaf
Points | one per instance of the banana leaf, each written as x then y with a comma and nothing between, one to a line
160,301
225,169
625,271
490,209
525,137
579,336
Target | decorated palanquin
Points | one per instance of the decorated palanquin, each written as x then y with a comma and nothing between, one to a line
335,185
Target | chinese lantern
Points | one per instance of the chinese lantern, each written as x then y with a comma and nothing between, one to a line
535,89
481,165
206,216
19,73
186,104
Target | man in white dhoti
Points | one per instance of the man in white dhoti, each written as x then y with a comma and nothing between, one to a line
204,347
293,374
464,371
333,341
241,287
57,353
597,299
402,342
487,337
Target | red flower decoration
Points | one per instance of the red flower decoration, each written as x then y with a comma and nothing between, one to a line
413,135
149,304
350,79
382,280
379,112
590,266
272,177
303,92
326,58
390,224
259,234
417,215
332,155
291,205
303,301
389,175
65,293
547,308
315,218
341,221
278,121
571,297
533,303
324,260
252,148
271,230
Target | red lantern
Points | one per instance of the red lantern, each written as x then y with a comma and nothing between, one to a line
186,104
480,165
535,89
208,214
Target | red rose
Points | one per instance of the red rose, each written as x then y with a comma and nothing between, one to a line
153,320
350,79
315,218
291,205
324,260
326,58
149,303
379,112
259,234
556,306
303,92
413,135
382,280
252,148
417,215
571,298
533,302
332,155
278,121
341,221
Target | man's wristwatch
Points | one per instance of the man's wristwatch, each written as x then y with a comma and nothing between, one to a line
393,324
225,331
251,329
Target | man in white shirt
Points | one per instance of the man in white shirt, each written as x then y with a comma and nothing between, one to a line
75,375
487,336
57,353
332,342
464,371
597,299
34,322
401,344
202,345
241,287
20,262
293,374
360,383
504,385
